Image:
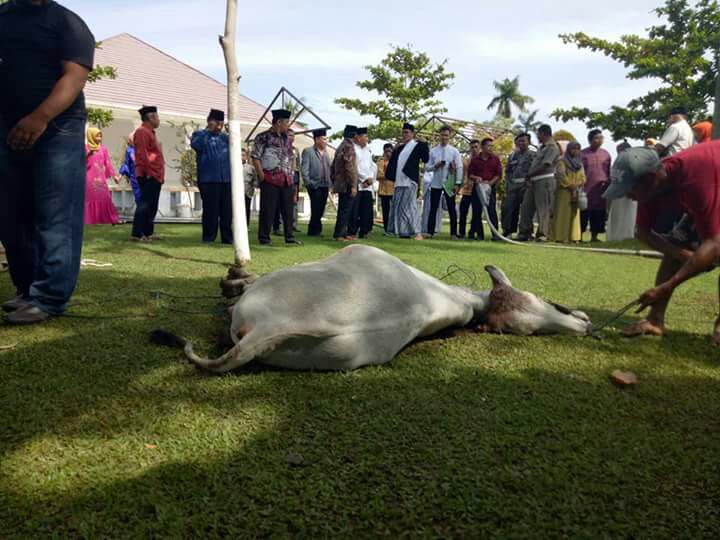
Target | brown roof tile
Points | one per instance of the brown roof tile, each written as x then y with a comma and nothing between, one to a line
148,76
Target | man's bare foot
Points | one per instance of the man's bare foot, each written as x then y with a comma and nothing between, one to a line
419,237
716,333
644,328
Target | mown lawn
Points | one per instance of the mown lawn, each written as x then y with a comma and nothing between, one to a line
105,435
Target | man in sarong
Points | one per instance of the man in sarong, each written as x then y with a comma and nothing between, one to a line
404,171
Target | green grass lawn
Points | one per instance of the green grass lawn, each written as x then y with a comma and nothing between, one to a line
103,434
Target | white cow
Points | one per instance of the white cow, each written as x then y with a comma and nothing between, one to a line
361,307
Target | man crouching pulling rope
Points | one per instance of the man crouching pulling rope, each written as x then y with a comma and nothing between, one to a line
689,181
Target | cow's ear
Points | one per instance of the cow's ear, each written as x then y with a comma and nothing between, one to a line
498,277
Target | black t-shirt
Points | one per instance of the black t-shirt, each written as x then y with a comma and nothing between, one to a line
34,42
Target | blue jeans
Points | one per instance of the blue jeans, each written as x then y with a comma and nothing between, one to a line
42,202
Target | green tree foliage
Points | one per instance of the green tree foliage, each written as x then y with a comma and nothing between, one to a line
100,117
508,94
528,123
679,52
406,83
564,135
186,162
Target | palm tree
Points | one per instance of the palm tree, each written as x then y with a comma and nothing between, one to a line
528,123
508,94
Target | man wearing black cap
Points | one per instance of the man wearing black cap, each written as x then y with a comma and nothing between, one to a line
273,159
678,136
315,167
345,183
212,148
688,181
150,171
46,54
404,171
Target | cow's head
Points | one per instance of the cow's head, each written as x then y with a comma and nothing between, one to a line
523,313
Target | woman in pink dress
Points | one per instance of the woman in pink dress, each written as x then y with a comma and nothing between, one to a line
99,208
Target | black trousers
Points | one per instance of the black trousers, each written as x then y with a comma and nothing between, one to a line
435,196
279,217
595,218
217,210
361,214
318,202
144,220
511,210
345,203
248,209
271,198
476,228
385,202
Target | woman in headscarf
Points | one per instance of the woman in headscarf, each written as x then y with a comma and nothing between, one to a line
128,167
99,208
570,177
703,131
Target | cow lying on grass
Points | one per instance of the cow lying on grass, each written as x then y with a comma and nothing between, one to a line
361,307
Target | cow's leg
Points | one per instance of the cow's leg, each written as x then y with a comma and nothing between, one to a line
232,288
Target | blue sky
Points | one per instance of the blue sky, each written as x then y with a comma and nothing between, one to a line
318,49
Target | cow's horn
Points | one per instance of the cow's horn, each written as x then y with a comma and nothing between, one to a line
498,276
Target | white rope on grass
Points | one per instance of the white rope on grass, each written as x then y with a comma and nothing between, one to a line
607,251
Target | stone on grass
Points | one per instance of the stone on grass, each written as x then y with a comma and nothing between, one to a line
623,379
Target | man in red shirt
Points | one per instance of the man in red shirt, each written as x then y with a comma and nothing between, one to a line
688,181
150,171
485,170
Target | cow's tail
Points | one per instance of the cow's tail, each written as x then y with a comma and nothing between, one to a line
243,352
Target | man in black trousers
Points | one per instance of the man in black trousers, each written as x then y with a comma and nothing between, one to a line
316,166
212,147
345,183
272,157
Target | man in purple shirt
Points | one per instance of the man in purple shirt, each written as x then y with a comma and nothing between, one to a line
597,162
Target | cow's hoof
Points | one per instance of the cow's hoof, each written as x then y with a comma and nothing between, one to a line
232,288
238,272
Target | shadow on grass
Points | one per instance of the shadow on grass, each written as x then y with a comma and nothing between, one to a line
464,437
422,447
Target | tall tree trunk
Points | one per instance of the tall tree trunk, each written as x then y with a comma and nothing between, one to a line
241,242
716,115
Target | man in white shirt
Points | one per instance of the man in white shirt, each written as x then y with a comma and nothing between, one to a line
361,217
445,164
678,136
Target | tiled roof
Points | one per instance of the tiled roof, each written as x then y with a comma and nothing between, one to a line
148,76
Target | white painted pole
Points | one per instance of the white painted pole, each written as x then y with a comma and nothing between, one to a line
241,242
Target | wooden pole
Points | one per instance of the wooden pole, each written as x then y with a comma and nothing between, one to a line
241,242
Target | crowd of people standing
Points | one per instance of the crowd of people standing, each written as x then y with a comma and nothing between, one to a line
552,189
